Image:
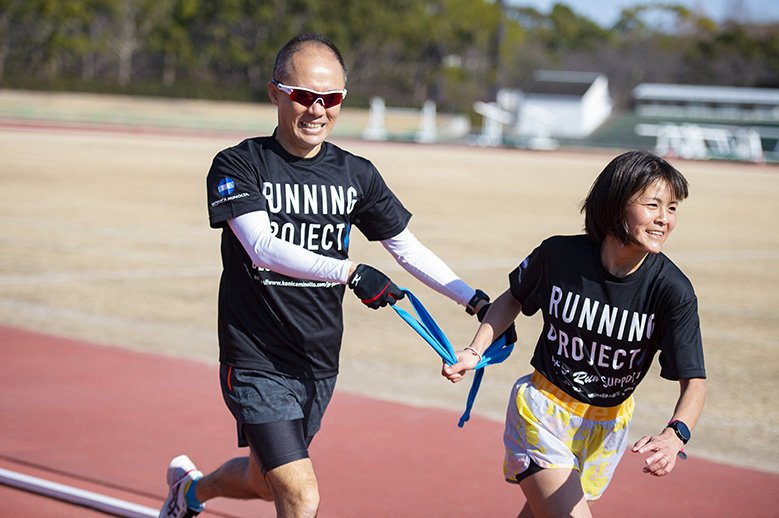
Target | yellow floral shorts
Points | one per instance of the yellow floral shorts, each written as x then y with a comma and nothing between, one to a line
547,426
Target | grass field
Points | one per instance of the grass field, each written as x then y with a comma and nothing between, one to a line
105,237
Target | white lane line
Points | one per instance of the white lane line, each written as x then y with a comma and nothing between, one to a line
76,496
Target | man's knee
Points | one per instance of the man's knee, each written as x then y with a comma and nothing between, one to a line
306,501
295,488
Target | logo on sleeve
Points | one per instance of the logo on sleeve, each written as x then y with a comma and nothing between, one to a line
522,267
226,186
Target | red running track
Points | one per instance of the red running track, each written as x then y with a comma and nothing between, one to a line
108,420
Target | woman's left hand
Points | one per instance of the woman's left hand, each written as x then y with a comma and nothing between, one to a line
466,361
663,449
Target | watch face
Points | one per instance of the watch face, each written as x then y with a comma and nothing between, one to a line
681,430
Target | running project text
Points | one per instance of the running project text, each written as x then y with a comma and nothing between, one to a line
333,200
611,324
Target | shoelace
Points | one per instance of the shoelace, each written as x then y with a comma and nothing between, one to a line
426,326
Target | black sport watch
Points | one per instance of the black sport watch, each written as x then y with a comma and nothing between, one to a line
682,432
470,308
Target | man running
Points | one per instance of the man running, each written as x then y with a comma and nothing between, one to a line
286,205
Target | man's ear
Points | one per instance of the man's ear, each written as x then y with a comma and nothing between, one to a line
273,93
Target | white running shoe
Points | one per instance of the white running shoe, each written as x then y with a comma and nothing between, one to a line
181,472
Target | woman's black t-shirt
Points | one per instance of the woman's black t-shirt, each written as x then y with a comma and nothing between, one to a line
600,331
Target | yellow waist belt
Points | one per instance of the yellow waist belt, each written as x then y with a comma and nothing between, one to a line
576,407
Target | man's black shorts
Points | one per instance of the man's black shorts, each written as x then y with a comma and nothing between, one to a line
269,408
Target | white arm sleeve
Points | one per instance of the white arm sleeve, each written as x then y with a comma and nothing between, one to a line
423,264
267,251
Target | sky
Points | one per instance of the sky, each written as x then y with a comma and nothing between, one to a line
606,12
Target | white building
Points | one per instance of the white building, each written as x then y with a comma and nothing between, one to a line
722,103
559,104
701,122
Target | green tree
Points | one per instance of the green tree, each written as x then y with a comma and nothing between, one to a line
413,51
451,51
173,38
567,30
13,15
133,22
241,37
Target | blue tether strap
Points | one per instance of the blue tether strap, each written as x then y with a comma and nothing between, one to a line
428,329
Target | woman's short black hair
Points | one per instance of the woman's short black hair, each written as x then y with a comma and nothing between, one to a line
625,176
293,46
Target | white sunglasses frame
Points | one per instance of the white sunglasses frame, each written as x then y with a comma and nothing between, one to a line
289,89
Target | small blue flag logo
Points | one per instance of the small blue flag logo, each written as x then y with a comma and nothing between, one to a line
226,186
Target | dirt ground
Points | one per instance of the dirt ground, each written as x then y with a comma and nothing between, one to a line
105,237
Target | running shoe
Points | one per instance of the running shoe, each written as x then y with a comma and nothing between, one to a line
181,472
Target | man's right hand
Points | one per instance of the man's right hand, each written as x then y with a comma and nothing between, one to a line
374,289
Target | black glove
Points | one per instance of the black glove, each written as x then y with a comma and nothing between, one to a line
374,289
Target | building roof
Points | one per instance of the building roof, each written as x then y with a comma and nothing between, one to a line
702,93
554,82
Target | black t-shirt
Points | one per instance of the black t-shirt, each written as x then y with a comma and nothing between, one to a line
601,332
270,321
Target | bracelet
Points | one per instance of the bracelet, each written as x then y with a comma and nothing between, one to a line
474,351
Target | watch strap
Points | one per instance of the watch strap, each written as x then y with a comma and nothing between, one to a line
470,308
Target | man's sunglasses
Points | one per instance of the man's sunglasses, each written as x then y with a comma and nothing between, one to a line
308,97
